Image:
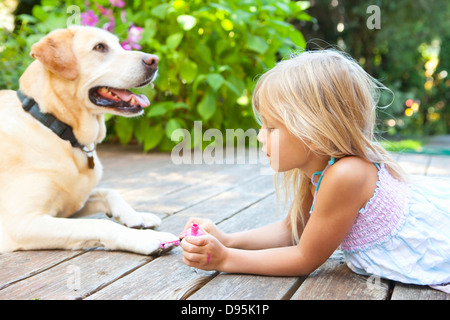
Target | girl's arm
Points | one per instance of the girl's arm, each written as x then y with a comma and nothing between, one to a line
277,234
344,190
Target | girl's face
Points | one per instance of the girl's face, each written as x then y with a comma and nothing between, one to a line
284,150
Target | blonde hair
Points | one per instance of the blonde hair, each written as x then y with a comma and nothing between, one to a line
325,99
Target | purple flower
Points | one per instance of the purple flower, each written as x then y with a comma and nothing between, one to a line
134,36
126,45
104,11
109,26
123,16
117,3
136,46
89,18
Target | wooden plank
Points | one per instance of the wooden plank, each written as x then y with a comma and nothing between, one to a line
243,200
439,166
128,160
211,185
168,277
414,292
335,281
247,287
161,190
164,278
75,278
224,205
257,215
148,184
20,265
232,286
394,155
414,163
250,196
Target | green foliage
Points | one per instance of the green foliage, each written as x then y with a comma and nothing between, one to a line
210,53
403,145
409,54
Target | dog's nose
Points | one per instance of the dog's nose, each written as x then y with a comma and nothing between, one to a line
150,61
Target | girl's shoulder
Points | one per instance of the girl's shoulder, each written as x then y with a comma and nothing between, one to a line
354,177
353,166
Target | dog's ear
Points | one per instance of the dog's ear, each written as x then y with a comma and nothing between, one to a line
55,52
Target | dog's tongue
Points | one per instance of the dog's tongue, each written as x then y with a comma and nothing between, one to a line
127,96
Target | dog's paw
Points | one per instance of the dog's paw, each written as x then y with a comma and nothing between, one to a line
141,220
150,242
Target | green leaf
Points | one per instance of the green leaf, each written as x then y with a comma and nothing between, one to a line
297,38
161,10
238,85
207,106
232,88
39,13
198,80
284,7
258,44
281,27
227,24
153,137
188,71
204,51
149,29
215,80
221,45
140,129
171,126
27,18
302,5
181,105
124,129
269,8
157,110
108,116
187,22
174,40
304,16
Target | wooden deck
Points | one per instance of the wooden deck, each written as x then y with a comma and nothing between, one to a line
236,197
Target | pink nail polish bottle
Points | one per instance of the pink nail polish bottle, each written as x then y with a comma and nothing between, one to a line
194,230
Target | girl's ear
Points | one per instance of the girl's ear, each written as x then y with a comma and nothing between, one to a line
55,52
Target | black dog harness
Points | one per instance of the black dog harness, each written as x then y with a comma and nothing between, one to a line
61,129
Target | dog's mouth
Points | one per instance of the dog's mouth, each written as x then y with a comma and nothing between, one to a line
122,100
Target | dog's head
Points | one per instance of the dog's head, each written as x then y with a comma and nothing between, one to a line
102,71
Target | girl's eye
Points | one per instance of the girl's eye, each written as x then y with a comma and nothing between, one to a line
100,47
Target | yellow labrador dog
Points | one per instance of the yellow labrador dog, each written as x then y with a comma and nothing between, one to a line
48,133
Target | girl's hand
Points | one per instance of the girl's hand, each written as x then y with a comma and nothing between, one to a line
204,252
206,226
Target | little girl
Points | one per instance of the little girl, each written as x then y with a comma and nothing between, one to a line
318,115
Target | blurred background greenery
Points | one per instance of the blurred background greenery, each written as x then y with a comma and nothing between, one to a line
212,51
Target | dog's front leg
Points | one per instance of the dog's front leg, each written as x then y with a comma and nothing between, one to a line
47,232
110,202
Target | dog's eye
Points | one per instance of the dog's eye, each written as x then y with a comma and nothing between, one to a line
100,47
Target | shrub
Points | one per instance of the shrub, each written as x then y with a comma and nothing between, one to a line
210,53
